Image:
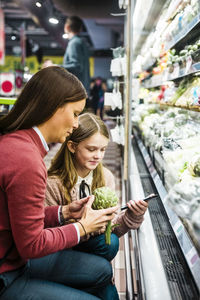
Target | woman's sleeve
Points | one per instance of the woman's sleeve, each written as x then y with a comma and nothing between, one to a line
25,192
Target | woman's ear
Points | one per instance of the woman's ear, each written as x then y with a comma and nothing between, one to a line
71,146
67,28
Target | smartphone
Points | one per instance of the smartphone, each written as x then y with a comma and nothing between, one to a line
151,196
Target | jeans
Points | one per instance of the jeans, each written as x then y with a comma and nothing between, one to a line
96,245
67,274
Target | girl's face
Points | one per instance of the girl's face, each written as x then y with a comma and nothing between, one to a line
62,123
89,153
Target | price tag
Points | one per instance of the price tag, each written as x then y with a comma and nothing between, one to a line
175,73
165,74
188,64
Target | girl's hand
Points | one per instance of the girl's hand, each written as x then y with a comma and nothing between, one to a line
95,220
137,207
75,209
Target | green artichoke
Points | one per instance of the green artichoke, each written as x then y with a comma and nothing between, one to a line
105,198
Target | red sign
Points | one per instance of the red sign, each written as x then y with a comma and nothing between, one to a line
7,84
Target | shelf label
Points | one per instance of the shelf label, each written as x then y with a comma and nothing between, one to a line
165,74
175,73
188,64
192,257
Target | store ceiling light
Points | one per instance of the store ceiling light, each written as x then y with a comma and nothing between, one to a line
65,36
53,20
38,4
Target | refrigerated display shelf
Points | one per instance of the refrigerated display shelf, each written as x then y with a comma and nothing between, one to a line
195,108
174,244
183,33
158,80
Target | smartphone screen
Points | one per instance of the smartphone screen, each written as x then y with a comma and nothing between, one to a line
150,197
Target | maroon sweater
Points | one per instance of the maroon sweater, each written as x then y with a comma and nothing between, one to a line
23,217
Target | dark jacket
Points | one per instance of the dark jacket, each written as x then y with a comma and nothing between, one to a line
76,60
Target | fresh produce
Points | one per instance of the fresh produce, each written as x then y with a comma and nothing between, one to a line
180,90
194,166
105,198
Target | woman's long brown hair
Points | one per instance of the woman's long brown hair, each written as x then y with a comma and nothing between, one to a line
62,164
43,94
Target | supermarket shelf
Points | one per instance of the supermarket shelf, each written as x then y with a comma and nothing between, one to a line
158,80
189,251
183,72
187,29
150,272
182,34
145,20
161,104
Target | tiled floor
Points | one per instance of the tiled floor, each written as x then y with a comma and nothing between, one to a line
112,160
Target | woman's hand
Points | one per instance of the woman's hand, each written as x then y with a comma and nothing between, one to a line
75,209
137,207
95,220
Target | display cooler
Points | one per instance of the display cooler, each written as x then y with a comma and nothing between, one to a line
161,110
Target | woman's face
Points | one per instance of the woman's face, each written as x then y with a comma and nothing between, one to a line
62,123
89,153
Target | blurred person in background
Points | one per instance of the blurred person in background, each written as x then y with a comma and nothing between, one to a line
76,57
97,90
100,106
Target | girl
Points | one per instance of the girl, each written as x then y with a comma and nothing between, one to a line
77,170
34,261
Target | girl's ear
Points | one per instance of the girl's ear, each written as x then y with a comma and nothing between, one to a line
71,146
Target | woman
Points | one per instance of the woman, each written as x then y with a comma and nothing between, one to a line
34,261
80,159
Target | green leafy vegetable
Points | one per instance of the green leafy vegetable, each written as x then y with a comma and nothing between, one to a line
184,167
105,198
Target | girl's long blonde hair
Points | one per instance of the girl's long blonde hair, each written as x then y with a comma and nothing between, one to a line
62,165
